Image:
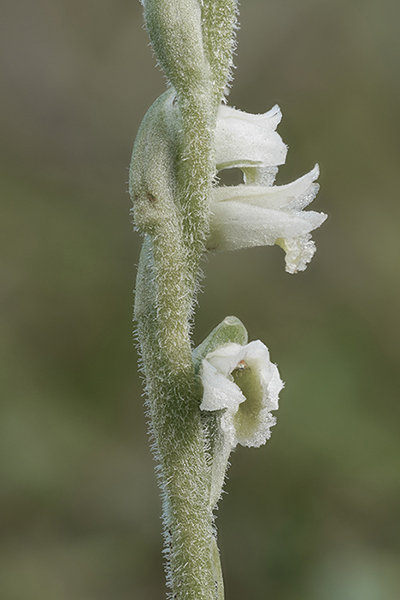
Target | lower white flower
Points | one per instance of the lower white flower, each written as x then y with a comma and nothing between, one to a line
242,385
258,213
242,381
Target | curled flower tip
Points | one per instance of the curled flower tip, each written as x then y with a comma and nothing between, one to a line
242,382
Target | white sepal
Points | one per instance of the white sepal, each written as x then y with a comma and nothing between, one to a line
246,140
219,392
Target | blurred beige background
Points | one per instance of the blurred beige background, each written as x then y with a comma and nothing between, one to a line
313,515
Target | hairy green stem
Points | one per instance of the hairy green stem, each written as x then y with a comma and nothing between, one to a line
172,172
178,435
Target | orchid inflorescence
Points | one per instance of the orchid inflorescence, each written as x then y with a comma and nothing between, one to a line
203,402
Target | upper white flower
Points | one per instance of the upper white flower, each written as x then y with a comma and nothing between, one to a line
257,213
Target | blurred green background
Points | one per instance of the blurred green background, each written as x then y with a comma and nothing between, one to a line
313,515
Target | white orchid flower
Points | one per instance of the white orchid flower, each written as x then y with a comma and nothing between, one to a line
257,213
244,381
243,385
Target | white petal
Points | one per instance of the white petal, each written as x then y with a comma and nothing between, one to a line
245,140
257,356
295,195
235,225
275,386
260,383
225,358
259,175
219,391
252,423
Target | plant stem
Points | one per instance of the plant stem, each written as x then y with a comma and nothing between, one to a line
176,429
172,171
